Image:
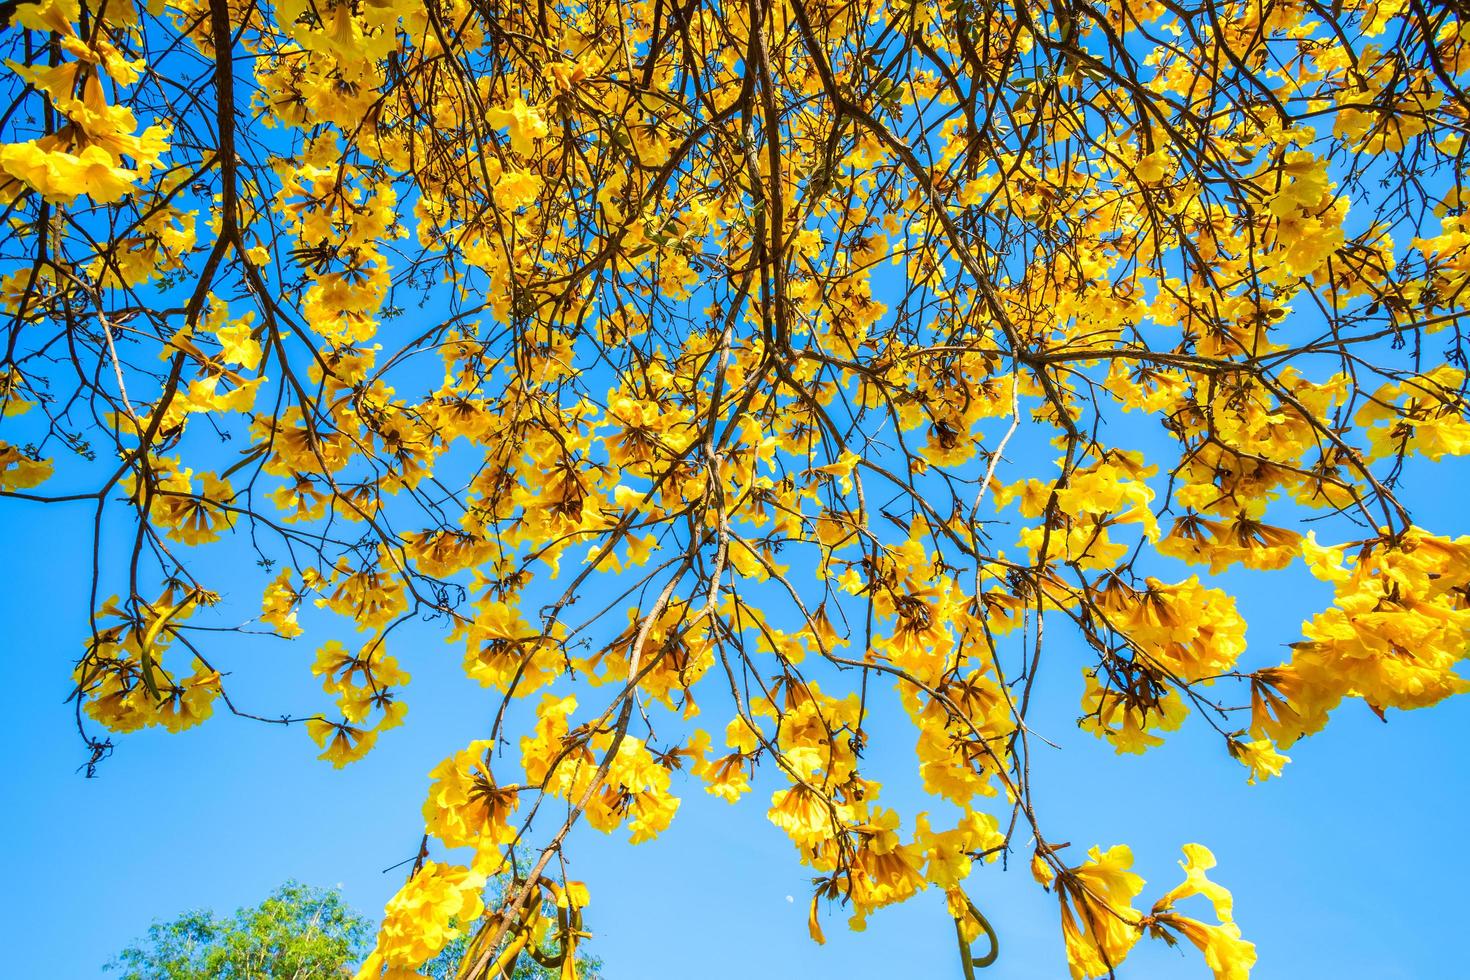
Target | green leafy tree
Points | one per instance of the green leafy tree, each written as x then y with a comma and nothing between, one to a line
298,933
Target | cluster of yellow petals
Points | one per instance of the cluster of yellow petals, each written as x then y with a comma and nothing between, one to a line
1101,925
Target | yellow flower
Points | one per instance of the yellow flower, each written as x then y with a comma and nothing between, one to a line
524,123
417,920
803,814
278,605
465,807
48,15
1198,860
516,189
19,471
1099,923
1260,756
239,346
341,743
61,176
725,776
1227,955
1151,168
195,518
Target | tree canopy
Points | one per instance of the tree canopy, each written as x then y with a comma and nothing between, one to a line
724,374
298,933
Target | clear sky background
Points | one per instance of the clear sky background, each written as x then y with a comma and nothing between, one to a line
1346,867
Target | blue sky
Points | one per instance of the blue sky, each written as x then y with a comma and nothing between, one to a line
1343,868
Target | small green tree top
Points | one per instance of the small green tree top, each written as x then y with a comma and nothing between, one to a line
298,933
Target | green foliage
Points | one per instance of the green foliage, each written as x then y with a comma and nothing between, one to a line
298,933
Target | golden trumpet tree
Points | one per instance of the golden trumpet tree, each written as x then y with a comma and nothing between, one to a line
713,369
